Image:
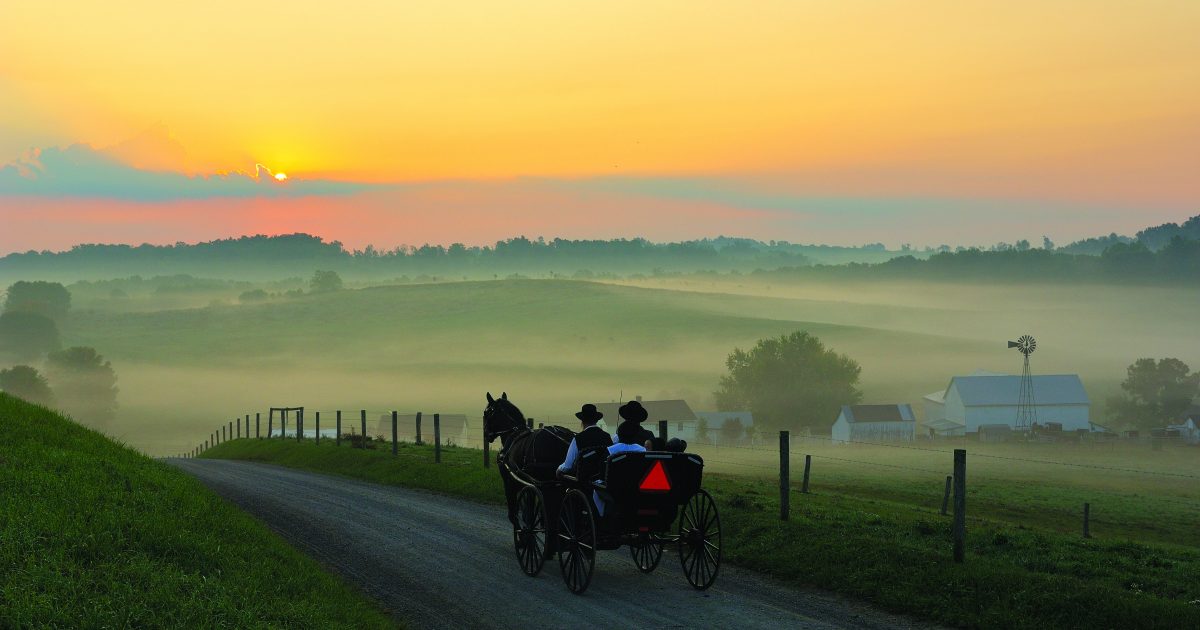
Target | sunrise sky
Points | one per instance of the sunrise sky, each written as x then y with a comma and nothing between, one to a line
405,122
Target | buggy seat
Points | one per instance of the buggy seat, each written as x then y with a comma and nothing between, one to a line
645,489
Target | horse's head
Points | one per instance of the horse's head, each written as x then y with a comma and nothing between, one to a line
502,418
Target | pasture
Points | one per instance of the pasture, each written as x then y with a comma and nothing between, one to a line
872,545
557,343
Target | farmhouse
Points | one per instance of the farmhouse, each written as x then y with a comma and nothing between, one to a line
988,398
874,423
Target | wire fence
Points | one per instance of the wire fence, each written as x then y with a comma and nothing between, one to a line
1072,490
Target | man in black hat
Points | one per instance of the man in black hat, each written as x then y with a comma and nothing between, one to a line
590,437
633,412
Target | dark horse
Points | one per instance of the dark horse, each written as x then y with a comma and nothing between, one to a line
533,454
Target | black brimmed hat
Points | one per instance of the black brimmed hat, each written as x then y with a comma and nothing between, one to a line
588,413
633,411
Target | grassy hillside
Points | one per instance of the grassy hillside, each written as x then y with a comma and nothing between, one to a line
95,535
874,547
558,343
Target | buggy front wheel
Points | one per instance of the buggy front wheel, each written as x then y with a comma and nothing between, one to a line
576,541
700,540
529,531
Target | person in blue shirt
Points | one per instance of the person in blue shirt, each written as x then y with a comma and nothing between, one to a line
589,437
628,435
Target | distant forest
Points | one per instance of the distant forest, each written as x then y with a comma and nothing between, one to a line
269,257
1166,253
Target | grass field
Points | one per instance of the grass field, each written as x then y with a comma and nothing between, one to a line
96,535
882,548
556,343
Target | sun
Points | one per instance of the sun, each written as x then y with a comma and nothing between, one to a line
281,176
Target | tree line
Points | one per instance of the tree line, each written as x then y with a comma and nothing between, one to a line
76,380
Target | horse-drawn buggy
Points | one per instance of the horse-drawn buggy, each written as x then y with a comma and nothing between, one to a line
646,501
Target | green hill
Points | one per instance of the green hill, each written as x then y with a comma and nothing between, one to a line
96,535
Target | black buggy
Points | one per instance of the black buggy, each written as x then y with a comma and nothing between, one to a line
651,500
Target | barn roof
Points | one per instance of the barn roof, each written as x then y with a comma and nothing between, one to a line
1004,390
878,413
674,410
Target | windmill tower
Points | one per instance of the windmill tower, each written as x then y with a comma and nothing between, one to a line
1026,411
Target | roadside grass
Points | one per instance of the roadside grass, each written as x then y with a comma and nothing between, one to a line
96,535
895,556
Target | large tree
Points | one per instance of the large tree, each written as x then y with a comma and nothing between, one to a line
325,281
45,298
788,382
85,384
27,335
24,382
1155,393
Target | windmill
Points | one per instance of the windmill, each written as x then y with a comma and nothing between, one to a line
1026,412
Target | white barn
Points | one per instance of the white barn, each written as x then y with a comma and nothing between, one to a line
969,402
874,423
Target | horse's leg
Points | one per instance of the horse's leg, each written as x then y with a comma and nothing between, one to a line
511,488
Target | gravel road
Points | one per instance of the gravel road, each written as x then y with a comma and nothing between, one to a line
436,561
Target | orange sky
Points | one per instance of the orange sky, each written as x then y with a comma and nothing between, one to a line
1067,101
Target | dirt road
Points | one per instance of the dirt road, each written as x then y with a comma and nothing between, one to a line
435,561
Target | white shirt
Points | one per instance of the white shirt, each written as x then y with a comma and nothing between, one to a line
573,452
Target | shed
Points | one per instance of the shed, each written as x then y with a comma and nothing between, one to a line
874,423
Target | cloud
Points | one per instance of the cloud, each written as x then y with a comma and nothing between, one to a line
82,171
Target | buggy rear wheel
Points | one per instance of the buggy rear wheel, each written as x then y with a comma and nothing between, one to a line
646,552
529,532
700,540
576,541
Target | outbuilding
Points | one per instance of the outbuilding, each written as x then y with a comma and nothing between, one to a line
874,423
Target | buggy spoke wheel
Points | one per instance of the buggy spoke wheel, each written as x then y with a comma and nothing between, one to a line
700,540
576,541
646,552
529,532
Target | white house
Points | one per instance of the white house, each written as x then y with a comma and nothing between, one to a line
987,398
874,423
1187,429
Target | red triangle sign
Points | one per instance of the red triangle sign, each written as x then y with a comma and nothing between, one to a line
656,480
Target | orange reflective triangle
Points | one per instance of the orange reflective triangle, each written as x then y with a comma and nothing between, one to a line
656,480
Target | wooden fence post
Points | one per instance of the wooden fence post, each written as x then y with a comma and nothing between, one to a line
337,440
531,424
247,426
807,469
239,427
418,438
257,425
662,432
270,422
960,503
362,415
395,446
946,494
437,438
785,476
223,433
300,425
1087,513
318,421
282,424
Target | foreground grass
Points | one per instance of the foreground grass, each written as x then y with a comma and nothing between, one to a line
96,535
894,556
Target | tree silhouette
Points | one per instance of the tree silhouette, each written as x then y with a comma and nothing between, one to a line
1155,393
85,384
789,381
325,281
26,335
26,383
50,299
